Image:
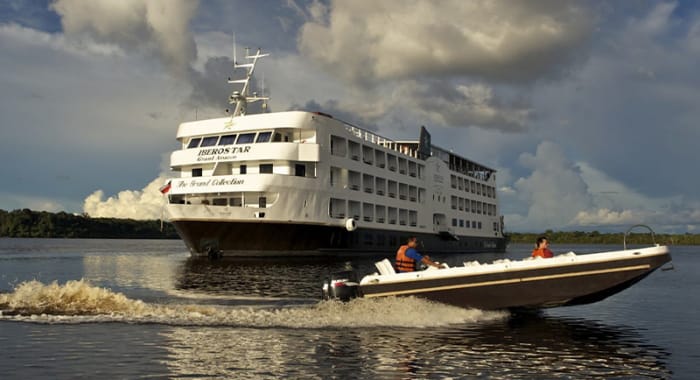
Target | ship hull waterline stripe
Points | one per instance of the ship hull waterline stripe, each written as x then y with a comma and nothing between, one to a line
501,282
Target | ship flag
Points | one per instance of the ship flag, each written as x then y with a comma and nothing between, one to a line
166,187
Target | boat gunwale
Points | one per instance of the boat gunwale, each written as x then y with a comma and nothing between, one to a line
527,264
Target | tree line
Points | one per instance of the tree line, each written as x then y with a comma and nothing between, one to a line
639,236
26,223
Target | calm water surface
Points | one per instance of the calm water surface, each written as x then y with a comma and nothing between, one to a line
144,308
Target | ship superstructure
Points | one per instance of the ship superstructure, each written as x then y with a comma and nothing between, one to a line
304,183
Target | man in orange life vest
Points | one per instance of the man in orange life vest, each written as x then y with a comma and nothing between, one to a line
542,248
407,256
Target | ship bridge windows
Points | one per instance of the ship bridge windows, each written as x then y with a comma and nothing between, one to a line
194,142
209,141
245,138
263,137
227,140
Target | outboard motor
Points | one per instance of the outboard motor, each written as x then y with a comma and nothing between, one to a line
341,286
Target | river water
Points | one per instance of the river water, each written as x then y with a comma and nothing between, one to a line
145,309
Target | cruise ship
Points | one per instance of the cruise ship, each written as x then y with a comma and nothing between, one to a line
307,184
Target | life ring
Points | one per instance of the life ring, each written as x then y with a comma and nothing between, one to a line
350,224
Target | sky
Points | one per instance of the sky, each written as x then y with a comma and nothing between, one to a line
589,111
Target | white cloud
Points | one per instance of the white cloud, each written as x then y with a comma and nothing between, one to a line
554,191
366,40
604,216
159,26
146,204
558,194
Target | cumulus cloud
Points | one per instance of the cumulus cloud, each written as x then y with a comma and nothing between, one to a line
560,195
470,69
146,204
363,41
154,26
554,191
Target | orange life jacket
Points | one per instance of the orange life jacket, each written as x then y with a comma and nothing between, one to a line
542,252
403,262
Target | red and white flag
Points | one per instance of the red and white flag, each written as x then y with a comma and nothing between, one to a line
165,188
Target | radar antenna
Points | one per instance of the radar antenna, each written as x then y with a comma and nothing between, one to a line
242,98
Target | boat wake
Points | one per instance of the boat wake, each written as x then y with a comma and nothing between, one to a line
81,302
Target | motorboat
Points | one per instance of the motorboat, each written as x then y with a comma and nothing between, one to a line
531,283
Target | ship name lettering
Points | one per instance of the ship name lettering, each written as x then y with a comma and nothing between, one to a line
224,150
224,182
195,183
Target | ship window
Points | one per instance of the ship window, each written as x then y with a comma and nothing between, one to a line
245,138
197,172
227,140
243,169
277,137
219,201
300,170
210,141
263,137
262,202
266,168
236,201
194,143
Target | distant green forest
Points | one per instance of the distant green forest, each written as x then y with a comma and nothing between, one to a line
26,223
638,236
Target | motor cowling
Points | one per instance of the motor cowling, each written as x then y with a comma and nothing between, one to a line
342,286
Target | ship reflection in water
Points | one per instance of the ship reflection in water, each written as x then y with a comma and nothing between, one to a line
284,278
517,347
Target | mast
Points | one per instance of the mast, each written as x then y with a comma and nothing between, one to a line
242,98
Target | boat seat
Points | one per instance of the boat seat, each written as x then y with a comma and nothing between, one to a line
385,267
